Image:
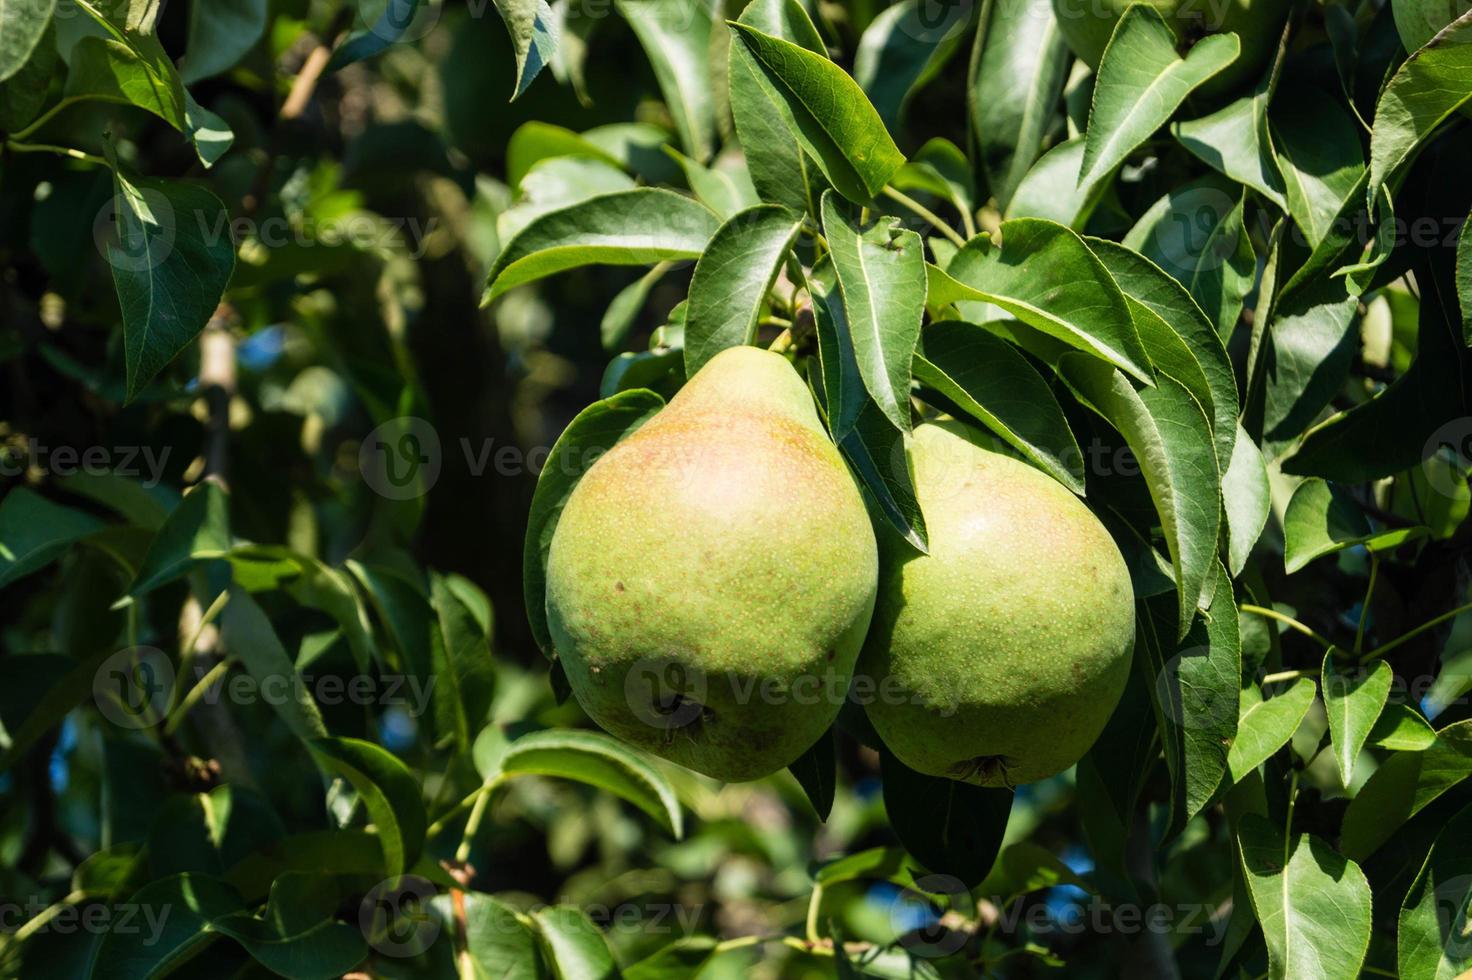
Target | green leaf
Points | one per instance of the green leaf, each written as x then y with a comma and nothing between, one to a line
1354,696
1401,728
34,532
1313,903
904,48
22,24
834,121
881,273
40,690
397,17
1319,150
679,960
1178,337
594,431
388,790
462,657
990,381
952,828
1171,439
1051,189
1322,518
1247,499
1396,429
1428,87
879,455
170,263
298,936
1431,938
575,946
1195,694
1046,276
844,397
724,187
1403,786
676,37
1234,141
1306,360
637,227
221,32
1016,78
601,761
816,772
533,30
556,182
1026,867
250,638
731,281
1195,234
1266,726
132,68
197,530
780,170
498,944
195,903
1140,84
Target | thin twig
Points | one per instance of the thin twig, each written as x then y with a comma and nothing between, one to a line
1287,620
923,212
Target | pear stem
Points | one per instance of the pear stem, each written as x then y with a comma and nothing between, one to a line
783,343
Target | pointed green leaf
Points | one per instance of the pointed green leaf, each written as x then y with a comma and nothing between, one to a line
675,35
816,772
835,122
732,278
533,30
1266,726
1401,728
1425,91
989,380
1319,150
598,760
397,17
1171,439
1322,518
22,23
1141,83
637,227
1354,696
1235,142
1046,276
904,48
197,530
879,455
1432,940
249,638
950,827
195,903
576,947
1312,902
170,263
1247,498
1012,94
388,790
34,532
1196,235
881,272
220,34
1403,786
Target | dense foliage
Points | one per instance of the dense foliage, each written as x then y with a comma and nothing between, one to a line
307,334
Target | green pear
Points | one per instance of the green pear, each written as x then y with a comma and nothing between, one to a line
711,578
998,657
1087,25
